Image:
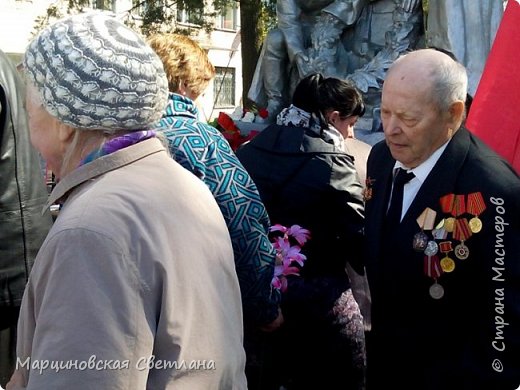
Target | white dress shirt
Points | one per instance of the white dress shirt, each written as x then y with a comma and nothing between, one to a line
421,172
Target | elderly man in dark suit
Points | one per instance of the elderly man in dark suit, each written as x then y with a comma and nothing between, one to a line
443,232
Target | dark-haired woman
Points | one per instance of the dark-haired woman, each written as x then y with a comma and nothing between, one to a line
304,177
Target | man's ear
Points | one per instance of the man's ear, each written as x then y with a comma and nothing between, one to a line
456,113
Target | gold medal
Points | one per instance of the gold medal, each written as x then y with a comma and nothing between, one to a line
475,224
476,206
436,291
461,251
449,224
447,264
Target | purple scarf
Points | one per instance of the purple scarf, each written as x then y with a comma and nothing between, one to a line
118,143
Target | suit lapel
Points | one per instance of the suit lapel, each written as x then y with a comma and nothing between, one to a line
442,179
382,177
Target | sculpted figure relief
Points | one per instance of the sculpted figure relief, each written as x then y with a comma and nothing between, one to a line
355,39
466,29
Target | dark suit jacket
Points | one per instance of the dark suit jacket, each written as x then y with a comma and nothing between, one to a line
460,341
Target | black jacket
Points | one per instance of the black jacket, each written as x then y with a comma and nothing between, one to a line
306,181
22,190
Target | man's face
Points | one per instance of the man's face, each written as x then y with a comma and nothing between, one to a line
414,127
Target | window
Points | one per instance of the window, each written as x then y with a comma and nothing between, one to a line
224,87
228,19
142,6
192,15
106,5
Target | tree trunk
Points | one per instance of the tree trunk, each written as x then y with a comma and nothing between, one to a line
250,20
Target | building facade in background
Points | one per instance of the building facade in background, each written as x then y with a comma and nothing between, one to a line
17,21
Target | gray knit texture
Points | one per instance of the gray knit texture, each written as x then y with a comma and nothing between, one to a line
93,72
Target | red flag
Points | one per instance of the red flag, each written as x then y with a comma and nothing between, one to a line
495,114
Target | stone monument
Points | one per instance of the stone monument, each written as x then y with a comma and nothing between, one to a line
352,39
466,29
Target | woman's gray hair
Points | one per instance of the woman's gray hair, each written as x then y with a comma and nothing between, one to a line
32,94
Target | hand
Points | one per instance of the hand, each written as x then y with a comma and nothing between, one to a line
272,326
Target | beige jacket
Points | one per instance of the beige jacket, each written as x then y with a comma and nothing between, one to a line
136,277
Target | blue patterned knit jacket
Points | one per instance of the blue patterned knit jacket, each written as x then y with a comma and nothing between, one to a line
204,151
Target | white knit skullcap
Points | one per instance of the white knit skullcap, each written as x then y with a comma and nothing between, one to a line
93,72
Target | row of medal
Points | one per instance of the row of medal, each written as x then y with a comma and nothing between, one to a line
454,206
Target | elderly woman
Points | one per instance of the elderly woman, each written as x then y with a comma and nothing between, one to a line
135,285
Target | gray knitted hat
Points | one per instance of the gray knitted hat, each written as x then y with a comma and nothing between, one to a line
93,72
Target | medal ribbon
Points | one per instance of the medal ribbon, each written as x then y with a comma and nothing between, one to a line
476,203
427,219
432,267
462,231
447,202
445,246
459,206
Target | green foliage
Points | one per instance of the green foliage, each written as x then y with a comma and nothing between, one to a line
149,16
267,17
161,15
58,10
